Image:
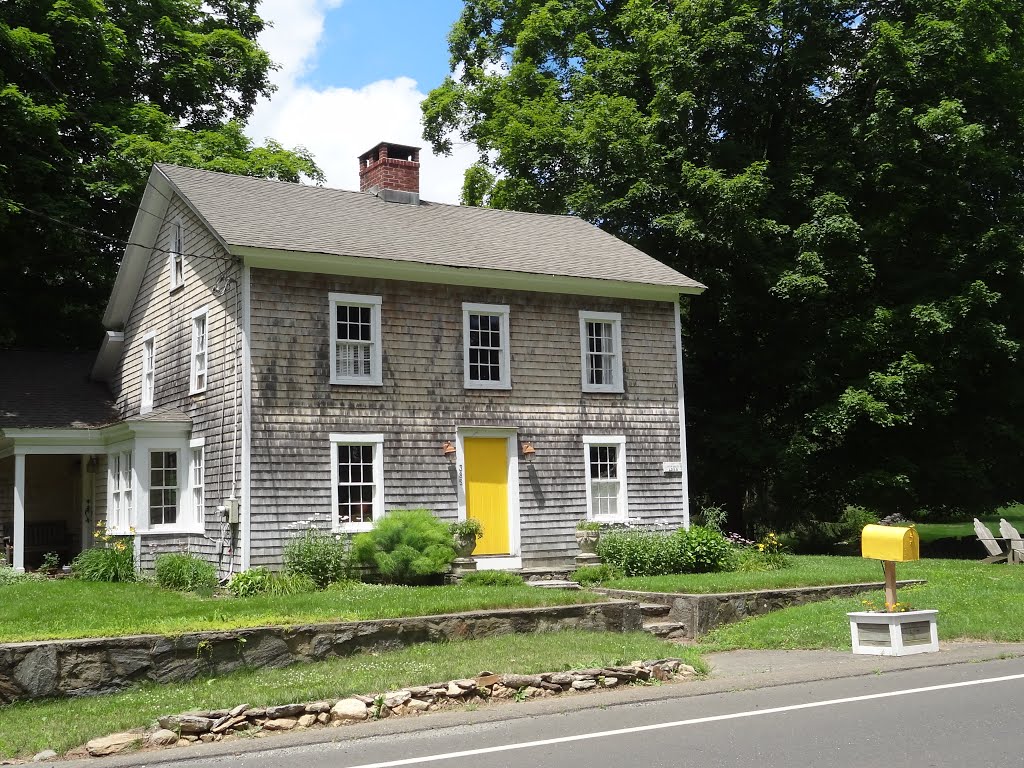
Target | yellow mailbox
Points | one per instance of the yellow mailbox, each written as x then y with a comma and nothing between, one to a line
887,542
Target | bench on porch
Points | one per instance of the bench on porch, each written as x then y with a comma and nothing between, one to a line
40,538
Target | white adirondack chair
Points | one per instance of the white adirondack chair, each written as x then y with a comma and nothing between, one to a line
995,552
1016,542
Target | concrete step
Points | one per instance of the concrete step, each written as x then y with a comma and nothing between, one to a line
653,610
553,584
669,630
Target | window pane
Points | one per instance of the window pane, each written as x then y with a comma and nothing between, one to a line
485,348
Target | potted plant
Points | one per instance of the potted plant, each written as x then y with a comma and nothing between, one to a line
588,533
465,534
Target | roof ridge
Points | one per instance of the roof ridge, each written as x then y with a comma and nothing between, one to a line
324,188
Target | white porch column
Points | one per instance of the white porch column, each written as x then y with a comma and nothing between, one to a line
19,512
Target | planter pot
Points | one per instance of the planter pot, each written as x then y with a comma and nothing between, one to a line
894,634
587,541
464,546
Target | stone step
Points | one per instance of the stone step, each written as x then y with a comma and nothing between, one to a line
653,610
553,584
669,630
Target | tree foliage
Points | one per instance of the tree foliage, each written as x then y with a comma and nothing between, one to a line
847,177
92,92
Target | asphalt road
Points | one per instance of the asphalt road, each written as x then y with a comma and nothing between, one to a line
964,715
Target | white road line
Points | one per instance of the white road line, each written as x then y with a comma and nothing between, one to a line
679,723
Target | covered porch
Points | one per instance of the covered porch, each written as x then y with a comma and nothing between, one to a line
52,455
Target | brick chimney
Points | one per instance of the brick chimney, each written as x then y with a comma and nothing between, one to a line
392,172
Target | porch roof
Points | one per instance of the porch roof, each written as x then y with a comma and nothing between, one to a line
48,389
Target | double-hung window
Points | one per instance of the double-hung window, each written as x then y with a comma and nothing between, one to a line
485,346
163,488
355,339
196,473
119,500
357,480
601,351
197,376
176,256
148,372
605,461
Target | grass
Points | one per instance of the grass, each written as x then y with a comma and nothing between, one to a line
28,728
805,571
66,608
1014,514
975,601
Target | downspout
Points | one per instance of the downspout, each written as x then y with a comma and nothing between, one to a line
246,384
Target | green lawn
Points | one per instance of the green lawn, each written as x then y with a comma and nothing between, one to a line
28,728
805,571
67,608
1014,514
975,601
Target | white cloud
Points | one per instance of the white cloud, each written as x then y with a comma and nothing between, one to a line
339,124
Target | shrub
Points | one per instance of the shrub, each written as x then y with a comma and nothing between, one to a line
636,553
645,553
767,555
588,525
491,579
260,581
185,573
407,546
705,550
323,557
114,561
589,575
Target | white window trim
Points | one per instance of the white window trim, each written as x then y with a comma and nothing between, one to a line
120,513
356,300
193,389
173,255
619,441
377,441
615,318
198,512
502,311
148,393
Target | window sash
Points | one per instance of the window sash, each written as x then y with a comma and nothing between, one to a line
198,484
177,255
601,351
148,371
357,493
486,352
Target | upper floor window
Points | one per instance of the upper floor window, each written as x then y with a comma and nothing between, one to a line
197,376
357,480
355,339
176,257
148,372
605,459
601,351
485,346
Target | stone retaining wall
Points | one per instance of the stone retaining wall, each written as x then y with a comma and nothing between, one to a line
93,666
698,614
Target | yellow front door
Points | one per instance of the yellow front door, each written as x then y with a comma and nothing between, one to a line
486,463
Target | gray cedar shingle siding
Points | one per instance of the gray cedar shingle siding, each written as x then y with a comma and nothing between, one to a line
423,401
169,316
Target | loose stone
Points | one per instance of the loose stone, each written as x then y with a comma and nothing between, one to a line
163,738
584,685
453,691
611,682
349,709
306,721
323,717
319,706
285,710
113,744
415,705
280,724
396,698
238,710
46,754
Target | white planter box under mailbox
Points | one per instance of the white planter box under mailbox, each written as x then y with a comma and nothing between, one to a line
894,634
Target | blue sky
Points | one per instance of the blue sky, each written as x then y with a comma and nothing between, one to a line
369,40
353,73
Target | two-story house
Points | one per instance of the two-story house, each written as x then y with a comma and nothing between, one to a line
278,352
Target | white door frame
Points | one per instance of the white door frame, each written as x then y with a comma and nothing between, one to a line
514,558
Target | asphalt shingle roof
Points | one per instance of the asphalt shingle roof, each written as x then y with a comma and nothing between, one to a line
51,389
280,215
